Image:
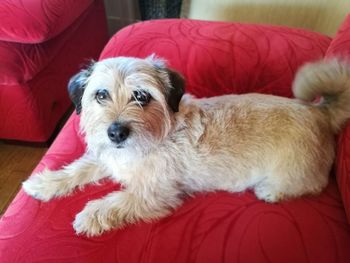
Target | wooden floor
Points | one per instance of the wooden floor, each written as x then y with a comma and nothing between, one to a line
16,164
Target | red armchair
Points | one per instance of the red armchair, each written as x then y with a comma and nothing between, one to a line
216,58
42,43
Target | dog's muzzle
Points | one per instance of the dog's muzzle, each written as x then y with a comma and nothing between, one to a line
118,133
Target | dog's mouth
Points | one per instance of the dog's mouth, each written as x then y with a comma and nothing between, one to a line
120,145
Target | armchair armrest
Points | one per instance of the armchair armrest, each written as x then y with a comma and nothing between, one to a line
36,21
340,47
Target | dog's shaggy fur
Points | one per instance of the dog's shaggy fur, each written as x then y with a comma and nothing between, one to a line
140,134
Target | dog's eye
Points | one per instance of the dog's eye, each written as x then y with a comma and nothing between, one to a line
101,95
142,97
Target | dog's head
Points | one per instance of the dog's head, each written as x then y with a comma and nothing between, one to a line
126,103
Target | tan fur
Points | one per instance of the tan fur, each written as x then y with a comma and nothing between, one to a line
281,148
331,80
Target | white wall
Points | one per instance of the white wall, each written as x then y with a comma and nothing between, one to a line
323,16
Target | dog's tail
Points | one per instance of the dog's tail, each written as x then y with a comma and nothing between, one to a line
329,81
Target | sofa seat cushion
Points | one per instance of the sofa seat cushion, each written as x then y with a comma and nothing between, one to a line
21,62
36,21
207,227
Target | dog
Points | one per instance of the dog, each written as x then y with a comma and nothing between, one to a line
160,144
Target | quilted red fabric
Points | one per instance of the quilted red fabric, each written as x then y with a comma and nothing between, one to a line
36,21
33,78
223,58
216,58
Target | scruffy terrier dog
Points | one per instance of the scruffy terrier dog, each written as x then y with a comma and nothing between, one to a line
160,146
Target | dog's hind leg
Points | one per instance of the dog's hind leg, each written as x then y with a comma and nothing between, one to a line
48,184
288,180
268,191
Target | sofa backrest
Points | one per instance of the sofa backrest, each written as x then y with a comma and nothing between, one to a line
223,57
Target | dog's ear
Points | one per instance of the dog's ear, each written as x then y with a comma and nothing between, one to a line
76,86
177,89
177,82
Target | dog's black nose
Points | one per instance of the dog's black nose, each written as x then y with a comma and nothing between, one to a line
117,132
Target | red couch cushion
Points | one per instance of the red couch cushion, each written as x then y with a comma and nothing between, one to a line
214,227
20,62
33,86
223,58
37,20
343,168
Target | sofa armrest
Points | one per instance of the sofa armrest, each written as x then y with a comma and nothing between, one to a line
221,57
37,21
340,47
343,168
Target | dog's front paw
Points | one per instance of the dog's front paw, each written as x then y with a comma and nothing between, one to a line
94,219
44,185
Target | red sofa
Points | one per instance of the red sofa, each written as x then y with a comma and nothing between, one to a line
216,58
42,43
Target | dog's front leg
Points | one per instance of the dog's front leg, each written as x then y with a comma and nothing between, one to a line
48,184
120,208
